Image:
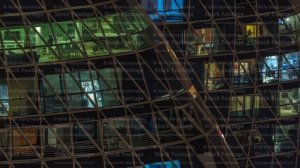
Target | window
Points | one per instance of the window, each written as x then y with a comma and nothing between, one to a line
51,86
87,95
4,138
4,103
55,41
80,136
84,90
61,131
200,42
289,25
23,96
169,164
290,66
247,137
240,106
284,67
170,10
284,136
289,103
110,137
20,144
270,69
240,72
240,103
12,35
214,73
253,30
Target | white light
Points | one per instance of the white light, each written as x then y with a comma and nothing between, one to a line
288,19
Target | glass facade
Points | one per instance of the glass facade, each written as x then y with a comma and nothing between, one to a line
92,85
243,58
192,84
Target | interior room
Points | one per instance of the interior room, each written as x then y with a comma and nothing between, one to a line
201,41
214,74
289,103
290,66
243,70
84,90
290,26
61,41
270,69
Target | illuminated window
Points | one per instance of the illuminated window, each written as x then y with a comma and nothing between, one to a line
240,72
253,30
270,69
240,68
4,103
289,102
200,42
169,164
169,10
84,90
214,73
289,25
80,136
240,106
55,41
290,66
241,103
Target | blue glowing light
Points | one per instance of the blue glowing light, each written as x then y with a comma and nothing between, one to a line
173,164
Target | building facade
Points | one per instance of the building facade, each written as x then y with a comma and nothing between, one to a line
88,84
149,83
243,58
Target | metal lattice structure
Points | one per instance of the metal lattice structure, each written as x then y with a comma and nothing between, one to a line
243,58
96,84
